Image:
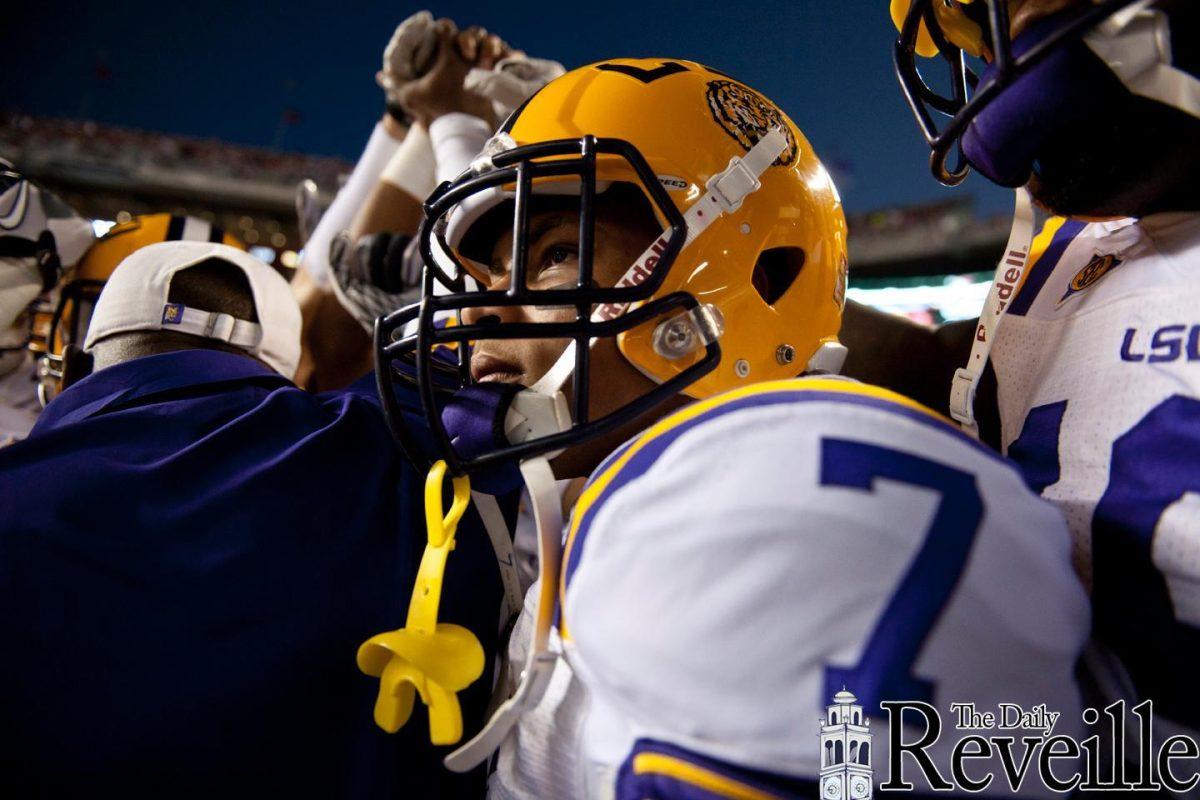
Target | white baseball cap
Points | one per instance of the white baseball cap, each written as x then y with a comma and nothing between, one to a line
135,298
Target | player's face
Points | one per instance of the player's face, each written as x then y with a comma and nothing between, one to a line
553,262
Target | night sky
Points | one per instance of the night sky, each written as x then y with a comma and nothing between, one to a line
236,71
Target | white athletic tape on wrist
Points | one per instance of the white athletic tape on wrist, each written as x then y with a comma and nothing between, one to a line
457,139
338,217
412,168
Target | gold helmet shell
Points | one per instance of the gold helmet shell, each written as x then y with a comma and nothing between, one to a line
775,269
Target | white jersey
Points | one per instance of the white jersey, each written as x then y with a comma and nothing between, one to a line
19,406
749,557
1098,371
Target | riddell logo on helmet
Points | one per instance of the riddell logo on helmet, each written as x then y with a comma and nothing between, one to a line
637,275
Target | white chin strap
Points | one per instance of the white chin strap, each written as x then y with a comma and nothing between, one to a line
547,515
1007,280
725,192
502,546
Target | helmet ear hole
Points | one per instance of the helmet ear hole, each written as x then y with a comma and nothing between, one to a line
775,272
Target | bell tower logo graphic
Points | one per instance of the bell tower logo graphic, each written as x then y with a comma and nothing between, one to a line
845,750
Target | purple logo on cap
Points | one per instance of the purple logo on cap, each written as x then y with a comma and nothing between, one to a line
172,313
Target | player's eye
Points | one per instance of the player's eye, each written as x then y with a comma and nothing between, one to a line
557,265
558,254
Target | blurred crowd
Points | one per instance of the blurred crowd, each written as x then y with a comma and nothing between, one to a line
46,139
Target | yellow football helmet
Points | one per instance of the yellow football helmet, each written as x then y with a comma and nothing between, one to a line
63,326
746,282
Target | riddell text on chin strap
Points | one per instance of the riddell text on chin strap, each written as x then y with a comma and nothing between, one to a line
1006,282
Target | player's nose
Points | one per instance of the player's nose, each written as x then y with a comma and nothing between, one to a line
480,317
494,314
490,315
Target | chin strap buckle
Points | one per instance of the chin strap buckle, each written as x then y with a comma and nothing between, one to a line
828,360
688,331
500,143
962,397
741,178
533,415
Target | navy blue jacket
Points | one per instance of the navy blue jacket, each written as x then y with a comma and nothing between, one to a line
191,551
